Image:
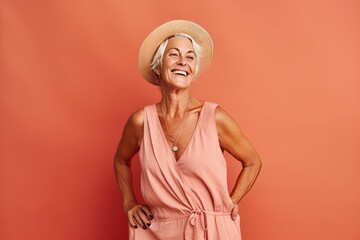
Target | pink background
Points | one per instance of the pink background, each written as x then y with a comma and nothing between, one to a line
287,71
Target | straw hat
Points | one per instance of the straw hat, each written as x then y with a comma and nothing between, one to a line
166,30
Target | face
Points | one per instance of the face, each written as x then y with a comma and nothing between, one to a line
179,63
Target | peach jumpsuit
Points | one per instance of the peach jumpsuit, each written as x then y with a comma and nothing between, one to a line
189,197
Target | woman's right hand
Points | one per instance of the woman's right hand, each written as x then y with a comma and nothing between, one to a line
139,215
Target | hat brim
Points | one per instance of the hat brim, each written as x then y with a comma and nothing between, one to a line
169,29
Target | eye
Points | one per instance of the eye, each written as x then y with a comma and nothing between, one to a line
173,54
191,57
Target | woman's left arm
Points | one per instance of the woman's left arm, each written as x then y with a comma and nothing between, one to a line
233,141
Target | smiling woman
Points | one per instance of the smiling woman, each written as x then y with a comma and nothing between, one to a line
178,66
160,51
180,141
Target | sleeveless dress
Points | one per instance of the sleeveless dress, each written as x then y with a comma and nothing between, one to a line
189,198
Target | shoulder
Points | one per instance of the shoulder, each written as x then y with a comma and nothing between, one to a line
133,130
136,119
135,122
221,115
224,122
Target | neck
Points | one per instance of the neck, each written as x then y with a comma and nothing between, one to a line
175,103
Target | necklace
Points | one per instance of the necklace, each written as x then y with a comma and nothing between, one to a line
175,148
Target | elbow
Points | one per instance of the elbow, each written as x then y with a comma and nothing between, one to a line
257,162
121,162
254,162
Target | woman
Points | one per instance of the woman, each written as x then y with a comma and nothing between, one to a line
181,141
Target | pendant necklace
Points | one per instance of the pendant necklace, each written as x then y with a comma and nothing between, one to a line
175,148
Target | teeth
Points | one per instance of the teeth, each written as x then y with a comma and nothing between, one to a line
180,72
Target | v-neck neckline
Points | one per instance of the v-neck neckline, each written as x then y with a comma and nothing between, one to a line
191,139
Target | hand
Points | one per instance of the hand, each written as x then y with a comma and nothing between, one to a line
234,212
139,215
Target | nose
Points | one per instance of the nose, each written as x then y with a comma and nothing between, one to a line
182,61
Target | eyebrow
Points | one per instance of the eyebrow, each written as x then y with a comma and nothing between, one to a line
190,51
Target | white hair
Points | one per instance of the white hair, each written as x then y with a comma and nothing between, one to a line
158,57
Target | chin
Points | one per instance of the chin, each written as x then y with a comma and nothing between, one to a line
182,83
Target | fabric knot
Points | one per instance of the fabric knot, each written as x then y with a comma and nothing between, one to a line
192,216
193,230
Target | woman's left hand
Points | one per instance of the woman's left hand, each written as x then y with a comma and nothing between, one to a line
234,211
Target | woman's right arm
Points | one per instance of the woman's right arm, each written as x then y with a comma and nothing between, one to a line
128,146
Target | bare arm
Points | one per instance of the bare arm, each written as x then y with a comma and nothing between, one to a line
233,141
129,145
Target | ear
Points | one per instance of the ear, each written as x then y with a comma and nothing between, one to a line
157,70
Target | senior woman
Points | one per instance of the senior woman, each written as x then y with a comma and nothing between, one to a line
181,141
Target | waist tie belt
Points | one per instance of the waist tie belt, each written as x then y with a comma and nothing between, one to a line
191,232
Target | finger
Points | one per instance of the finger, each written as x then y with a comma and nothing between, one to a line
132,221
148,213
234,213
139,220
144,218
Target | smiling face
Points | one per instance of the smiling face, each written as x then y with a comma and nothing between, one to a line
179,63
